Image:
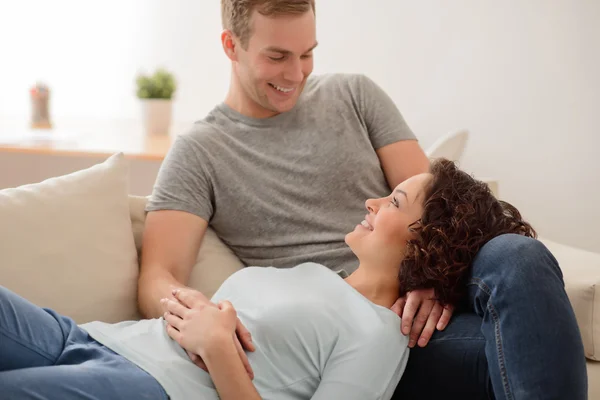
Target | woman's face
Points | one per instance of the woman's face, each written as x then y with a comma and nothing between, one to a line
382,236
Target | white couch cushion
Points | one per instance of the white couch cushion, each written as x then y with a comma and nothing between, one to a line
581,272
66,243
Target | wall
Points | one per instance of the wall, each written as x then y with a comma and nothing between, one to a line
521,75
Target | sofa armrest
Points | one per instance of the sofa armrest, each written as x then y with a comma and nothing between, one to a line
581,272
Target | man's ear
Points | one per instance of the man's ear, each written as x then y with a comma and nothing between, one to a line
229,44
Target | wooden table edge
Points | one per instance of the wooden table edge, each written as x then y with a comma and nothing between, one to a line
79,153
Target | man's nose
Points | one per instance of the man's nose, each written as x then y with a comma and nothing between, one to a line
293,72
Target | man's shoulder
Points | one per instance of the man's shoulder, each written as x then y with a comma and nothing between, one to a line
337,79
344,86
202,130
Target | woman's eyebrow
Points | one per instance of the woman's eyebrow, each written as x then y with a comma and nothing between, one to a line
402,192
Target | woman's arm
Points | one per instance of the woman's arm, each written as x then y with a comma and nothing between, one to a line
227,371
186,301
210,332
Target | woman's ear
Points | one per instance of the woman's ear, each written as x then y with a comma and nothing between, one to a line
413,227
229,44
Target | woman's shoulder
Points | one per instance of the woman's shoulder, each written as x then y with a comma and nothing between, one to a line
307,266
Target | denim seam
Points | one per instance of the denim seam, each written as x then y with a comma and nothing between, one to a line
27,346
64,335
500,351
499,348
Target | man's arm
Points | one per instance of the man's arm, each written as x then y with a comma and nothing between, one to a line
401,160
395,143
401,157
169,249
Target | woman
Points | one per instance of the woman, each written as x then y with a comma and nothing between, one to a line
316,335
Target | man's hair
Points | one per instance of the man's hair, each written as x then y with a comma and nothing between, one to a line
236,15
460,216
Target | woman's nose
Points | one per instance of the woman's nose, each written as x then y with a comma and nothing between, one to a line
372,205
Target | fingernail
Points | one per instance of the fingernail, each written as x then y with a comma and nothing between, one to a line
174,292
411,343
422,342
405,329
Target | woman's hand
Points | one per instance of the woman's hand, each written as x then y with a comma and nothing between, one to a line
196,329
195,324
421,315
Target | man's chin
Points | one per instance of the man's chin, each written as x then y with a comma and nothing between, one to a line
282,107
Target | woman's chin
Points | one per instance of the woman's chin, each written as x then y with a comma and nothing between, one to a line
350,238
348,235
353,238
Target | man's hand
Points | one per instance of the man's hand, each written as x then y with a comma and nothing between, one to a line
430,315
192,299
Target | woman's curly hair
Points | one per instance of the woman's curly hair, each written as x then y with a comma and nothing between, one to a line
460,216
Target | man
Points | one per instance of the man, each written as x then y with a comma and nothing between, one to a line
279,170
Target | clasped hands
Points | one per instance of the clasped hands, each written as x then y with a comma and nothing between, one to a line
198,324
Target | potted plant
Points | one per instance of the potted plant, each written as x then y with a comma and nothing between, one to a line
156,94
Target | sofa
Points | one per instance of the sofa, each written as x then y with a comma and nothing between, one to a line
73,243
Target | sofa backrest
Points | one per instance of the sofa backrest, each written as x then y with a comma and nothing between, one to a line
215,261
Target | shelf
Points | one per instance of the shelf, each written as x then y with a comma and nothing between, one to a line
98,138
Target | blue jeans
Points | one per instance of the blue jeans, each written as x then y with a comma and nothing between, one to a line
515,337
46,356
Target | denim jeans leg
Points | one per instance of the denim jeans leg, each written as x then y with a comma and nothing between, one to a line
104,376
44,355
533,344
29,335
453,365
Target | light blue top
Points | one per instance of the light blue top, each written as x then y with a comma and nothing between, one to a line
316,337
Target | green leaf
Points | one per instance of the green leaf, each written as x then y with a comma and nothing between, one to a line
160,85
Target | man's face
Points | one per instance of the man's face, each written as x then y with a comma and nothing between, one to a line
273,69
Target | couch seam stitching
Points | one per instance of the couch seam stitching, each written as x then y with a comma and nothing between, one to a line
593,321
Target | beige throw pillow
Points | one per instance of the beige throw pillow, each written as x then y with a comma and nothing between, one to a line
66,243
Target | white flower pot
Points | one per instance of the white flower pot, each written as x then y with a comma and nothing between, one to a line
157,115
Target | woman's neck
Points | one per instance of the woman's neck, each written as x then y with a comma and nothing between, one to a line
379,285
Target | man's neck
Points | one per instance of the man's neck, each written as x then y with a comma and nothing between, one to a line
377,284
238,100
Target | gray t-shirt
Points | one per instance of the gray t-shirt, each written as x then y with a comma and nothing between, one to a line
285,190
316,338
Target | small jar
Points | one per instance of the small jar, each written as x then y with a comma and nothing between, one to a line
40,107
